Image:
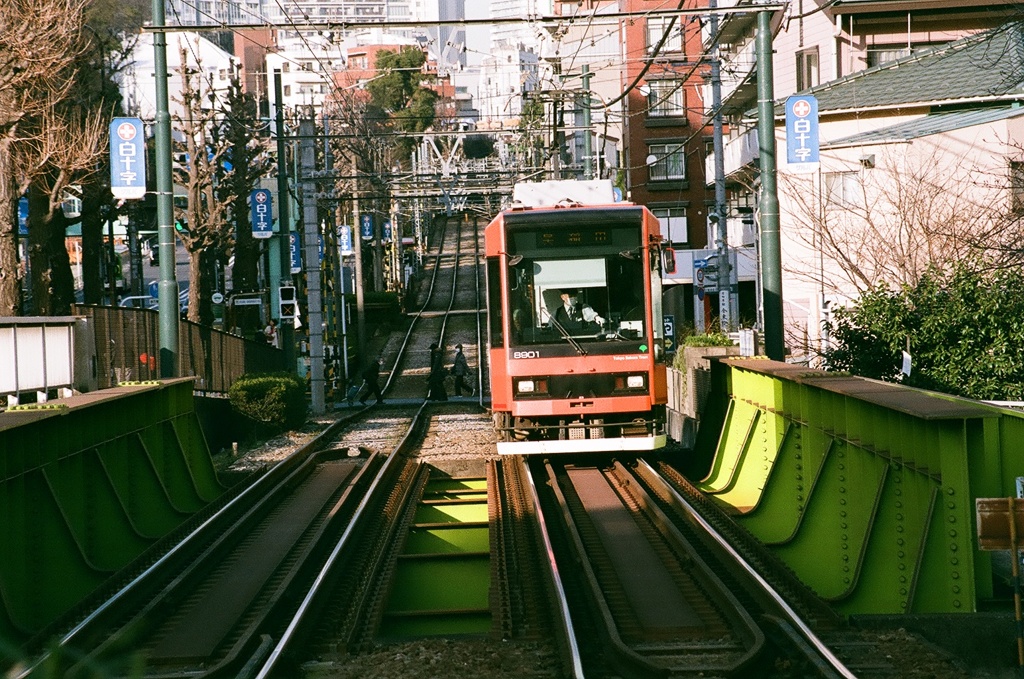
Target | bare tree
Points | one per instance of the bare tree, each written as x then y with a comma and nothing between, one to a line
69,142
206,234
914,209
889,224
38,43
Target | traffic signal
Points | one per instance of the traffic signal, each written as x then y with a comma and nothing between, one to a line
286,300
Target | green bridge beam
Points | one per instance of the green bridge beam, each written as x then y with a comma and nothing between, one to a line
86,486
865,489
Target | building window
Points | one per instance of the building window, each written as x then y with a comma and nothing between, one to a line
806,69
843,189
286,91
673,225
666,98
882,54
668,162
1017,186
656,27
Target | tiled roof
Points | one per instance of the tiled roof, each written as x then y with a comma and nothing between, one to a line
986,66
935,123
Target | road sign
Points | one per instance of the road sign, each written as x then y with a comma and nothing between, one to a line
217,298
294,252
669,321
802,133
153,290
127,159
23,216
366,226
345,239
261,212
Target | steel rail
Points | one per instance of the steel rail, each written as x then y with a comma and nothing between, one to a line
314,590
791,616
268,480
562,600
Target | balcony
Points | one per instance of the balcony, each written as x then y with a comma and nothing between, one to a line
739,153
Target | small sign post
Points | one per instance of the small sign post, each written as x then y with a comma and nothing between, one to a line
1000,522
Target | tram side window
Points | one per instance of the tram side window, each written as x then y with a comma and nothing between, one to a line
495,317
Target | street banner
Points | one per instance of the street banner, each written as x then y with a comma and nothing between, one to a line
127,159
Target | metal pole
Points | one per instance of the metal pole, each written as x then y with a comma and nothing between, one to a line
726,316
588,152
771,250
357,245
167,290
1015,572
286,330
311,252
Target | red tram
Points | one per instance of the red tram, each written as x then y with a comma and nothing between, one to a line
577,354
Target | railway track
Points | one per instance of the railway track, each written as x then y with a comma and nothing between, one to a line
213,604
399,527
657,606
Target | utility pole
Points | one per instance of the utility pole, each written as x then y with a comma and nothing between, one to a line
588,153
771,249
357,246
282,274
726,310
167,290
311,252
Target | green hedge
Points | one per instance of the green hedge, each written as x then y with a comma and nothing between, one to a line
277,400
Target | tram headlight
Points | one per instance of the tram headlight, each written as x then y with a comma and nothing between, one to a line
525,386
635,381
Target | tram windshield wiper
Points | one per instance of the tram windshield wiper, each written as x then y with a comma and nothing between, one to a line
565,335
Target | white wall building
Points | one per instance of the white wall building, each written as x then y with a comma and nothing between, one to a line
138,83
908,177
504,78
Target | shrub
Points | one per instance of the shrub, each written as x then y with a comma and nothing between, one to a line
277,400
711,339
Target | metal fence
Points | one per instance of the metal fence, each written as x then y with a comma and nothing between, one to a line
128,349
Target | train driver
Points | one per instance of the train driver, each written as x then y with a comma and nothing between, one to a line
576,316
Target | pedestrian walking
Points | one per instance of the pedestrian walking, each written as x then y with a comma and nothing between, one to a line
270,333
371,374
460,369
435,381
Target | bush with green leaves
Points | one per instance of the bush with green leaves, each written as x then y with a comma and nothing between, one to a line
963,326
709,339
277,400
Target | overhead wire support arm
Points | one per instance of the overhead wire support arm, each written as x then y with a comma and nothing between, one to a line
464,23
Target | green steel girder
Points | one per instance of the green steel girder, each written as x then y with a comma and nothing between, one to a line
87,487
865,489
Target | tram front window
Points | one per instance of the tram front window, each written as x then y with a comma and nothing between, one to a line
582,300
